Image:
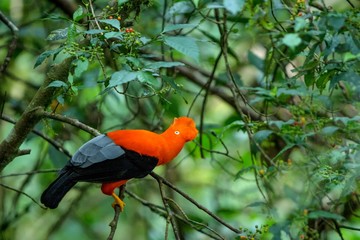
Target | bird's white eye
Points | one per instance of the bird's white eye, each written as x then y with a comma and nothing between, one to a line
177,132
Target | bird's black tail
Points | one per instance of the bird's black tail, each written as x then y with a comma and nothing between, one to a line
52,196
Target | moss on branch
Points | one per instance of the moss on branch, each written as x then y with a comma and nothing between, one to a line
9,147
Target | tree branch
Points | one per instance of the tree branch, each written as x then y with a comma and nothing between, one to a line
114,222
9,147
55,144
72,121
167,183
22,193
197,75
170,214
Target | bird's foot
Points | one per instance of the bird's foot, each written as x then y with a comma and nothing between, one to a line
118,202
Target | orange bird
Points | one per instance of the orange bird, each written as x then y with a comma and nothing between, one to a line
115,157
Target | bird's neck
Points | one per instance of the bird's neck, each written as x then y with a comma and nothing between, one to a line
173,144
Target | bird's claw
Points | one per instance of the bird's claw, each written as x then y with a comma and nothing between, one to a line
118,202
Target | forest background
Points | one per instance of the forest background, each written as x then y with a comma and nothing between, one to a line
272,85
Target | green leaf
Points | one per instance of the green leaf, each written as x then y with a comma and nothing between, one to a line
112,22
283,150
238,124
71,35
118,35
135,62
285,235
214,5
243,171
147,77
70,78
335,21
185,45
61,99
323,79
329,130
94,31
291,40
257,204
234,6
169,28
181,7
262,135
300,24
74,90
160,64
279,124
57,34
57,84
292,92
256,61
81,66
121,2
354,42
121,77
346,120
309,78
325,214
78,14
46,54
334,41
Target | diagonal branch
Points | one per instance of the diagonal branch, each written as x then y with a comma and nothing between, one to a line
9,147
72,121
186,196
170,214
54,143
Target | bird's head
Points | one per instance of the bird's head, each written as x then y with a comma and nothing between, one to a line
185,128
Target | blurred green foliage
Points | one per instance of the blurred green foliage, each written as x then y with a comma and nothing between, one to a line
273,86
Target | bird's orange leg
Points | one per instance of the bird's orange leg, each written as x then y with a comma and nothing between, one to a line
117,201
108,189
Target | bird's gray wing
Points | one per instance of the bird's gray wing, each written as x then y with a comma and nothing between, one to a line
96,150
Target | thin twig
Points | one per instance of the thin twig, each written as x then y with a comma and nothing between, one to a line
186,196
93,13
273,14
29,173
350,3
349,227
198,226
153,207
337,228
23,193
55,144
169,212
72,121
202,112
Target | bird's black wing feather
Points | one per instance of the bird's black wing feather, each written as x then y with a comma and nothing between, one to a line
129,165
101,160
